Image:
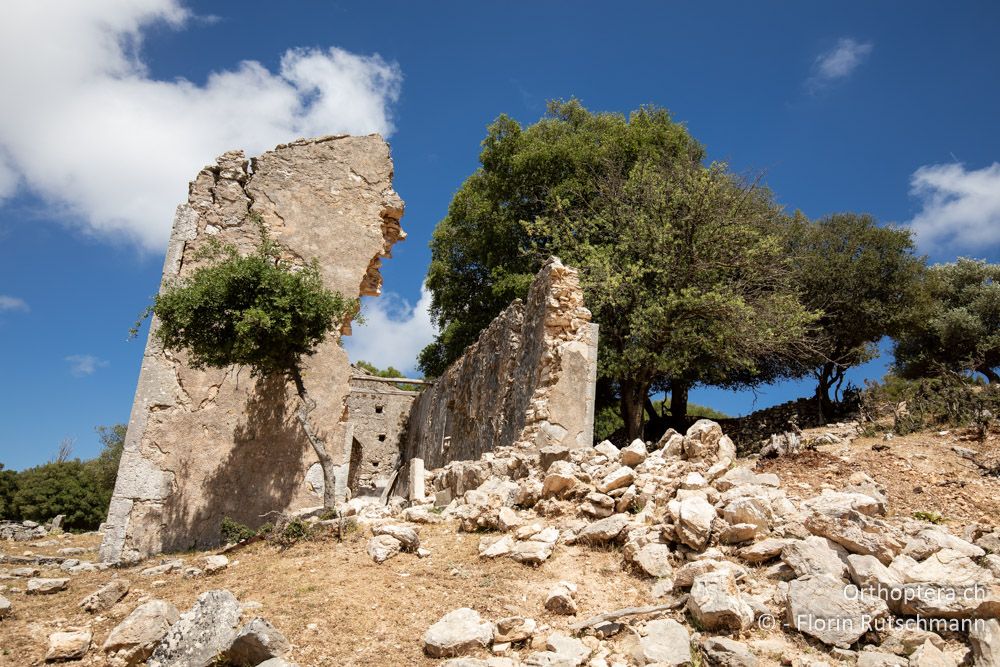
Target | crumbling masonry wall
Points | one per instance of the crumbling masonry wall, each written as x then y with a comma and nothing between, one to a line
378,413
203,445
530,378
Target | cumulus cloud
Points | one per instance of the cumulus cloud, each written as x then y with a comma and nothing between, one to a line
393,333
960,208
81,365
12,303
86,127
838,63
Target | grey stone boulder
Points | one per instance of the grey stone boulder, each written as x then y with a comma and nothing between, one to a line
634,454
106,596
762,551
134,639
823,607
839,503
407,537
383,547
666,642
725,652
71,645
201,633
256,642
693,517
984,638
45,586
880,659
561,599
929,655
858,534
457,633
603,531
715,602
5,607
815,556
620,478
653,559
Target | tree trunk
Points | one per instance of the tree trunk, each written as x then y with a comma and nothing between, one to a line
991,375
678,401
825,381
633,399
306,406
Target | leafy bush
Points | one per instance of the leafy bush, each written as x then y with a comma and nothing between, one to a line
948,400
8,487
234,532
70,488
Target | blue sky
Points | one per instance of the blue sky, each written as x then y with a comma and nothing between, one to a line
888,108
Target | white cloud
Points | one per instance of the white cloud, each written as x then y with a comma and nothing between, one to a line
12,303
85,126
81,365
393,333
960,207
838,63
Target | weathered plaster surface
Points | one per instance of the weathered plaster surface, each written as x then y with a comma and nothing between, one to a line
529,378
203,445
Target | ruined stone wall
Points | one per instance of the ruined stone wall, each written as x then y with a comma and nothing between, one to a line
751,431
203,445
378,412
529,378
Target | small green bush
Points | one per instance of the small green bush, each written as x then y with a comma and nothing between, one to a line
234,532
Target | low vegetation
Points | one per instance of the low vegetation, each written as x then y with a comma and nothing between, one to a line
79,490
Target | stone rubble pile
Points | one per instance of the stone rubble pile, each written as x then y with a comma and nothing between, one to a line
722,545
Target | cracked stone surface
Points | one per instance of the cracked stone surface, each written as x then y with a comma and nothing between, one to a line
206,444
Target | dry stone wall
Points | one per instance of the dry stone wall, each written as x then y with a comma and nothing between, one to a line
206,444
529,378
378,413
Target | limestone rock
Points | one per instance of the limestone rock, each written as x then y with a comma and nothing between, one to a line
653,559
214,563
105,596
725,652
598,505
68,645
201,633
458,632
984,637
905,639
839,503
162,569
405,535
815,556
857,534
5,607
514,629
559,479
763,551
495,547
256,642
562,650
879,659
620,478
531,552
634,454
693,518
667,642
715,602
507,519
46,586
607,449
822,607
561,599
550,454
135,637
603,531
383,547
738,533
929,655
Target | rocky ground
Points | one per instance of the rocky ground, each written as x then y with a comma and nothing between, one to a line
669,554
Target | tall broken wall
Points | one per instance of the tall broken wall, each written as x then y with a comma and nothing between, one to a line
208,444
530,377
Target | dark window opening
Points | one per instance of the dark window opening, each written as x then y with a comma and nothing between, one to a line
381,438
378,409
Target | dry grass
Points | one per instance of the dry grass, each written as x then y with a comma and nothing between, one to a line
363,613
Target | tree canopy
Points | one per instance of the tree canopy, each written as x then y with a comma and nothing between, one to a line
865,281
682,264
257,310
958,330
